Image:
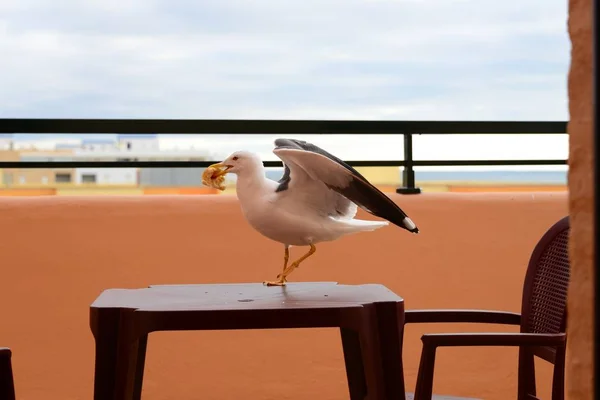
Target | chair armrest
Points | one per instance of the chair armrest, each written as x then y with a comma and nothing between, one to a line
459,316
494,339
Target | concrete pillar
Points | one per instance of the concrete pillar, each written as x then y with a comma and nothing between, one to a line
579,372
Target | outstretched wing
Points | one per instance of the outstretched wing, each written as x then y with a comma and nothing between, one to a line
321,166
296,185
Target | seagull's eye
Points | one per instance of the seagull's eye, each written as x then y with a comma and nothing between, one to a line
235,158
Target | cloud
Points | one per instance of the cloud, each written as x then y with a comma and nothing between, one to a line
329,59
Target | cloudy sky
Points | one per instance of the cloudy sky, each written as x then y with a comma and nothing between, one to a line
328,59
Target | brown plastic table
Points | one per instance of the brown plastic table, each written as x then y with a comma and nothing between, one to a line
370,318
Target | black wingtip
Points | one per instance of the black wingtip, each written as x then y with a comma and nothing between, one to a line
415,230
409,225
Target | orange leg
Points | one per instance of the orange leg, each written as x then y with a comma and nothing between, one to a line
282,278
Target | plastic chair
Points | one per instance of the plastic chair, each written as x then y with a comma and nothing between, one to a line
7,385
542,320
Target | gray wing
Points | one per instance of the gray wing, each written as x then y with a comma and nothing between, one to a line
319,165
296,185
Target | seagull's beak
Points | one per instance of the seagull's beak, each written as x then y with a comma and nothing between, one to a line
221,168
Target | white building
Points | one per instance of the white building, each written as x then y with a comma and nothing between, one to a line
6,141
42,142
106,176
97,145
138,142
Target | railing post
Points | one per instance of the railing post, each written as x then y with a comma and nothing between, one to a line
408,174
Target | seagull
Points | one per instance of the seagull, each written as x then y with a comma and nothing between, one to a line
315,200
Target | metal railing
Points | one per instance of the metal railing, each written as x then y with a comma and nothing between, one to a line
282,127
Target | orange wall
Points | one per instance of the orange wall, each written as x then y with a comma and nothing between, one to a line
581,188
58,253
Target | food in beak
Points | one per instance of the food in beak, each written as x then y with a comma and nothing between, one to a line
214,176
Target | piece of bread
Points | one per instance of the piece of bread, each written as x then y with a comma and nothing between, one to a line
211,179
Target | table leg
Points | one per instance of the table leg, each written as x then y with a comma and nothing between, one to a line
354,364
371,354
120,355
139,370
131,356
390,318
104,323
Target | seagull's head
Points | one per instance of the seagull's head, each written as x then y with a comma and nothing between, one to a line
239,162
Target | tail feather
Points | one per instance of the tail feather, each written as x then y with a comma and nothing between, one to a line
360,225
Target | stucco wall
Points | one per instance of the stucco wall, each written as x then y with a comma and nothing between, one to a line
58,253
581,188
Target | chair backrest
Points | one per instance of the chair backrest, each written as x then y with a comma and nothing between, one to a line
544,307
